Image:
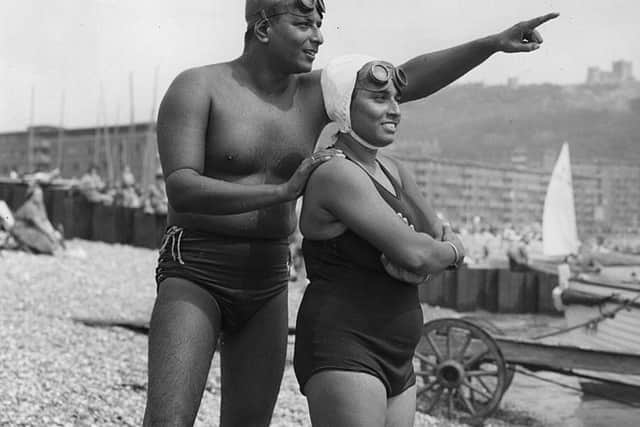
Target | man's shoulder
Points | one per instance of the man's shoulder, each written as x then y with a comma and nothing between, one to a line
203,73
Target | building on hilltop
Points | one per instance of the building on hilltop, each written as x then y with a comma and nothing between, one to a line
621,72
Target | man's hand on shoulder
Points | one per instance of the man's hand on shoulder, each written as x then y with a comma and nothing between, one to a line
293,188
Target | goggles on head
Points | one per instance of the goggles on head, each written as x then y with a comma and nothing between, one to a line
378,75
304,6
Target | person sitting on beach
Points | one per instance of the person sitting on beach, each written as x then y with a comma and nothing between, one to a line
367,242
32,230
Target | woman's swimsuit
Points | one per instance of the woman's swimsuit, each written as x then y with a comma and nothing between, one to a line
241,274
354,316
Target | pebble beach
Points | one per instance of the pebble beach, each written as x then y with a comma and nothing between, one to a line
57,368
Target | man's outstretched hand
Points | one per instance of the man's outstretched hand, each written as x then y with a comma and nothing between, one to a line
523,37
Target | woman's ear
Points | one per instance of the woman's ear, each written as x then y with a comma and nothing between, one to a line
261,30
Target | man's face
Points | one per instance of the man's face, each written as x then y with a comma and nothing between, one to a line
295,40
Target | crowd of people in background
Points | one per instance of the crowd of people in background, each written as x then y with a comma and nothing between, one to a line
125,191
28,228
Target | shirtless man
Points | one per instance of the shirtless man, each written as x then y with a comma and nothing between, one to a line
236,141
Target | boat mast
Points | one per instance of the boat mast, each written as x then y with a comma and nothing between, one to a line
131,135
60,134
149,160
30,138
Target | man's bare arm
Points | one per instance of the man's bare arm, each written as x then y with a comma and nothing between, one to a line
431,72
182,128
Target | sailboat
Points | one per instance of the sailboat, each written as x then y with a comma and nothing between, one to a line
601,304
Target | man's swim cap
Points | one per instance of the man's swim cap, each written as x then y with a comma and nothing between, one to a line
256,9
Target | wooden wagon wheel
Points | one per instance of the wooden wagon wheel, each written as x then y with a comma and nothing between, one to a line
495,331
460,370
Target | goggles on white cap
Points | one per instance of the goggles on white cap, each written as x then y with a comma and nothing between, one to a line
378,76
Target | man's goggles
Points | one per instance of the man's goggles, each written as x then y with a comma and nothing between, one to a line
304,6
378,75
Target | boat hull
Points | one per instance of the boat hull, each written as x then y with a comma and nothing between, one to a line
619,333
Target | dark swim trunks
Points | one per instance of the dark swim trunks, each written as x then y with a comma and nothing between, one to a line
354,316
241,274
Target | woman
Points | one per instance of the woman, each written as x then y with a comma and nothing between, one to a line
369,238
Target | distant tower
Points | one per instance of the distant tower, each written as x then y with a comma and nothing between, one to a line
513,83
623,70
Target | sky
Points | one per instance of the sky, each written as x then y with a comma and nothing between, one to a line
74,58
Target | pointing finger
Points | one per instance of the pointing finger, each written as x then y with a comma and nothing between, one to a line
536,22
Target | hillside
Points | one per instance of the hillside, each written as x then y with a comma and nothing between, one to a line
487,123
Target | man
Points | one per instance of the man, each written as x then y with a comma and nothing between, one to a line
235,142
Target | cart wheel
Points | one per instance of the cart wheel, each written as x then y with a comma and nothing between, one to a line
460,371
495,331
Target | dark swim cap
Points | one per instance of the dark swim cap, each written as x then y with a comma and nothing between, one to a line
256,9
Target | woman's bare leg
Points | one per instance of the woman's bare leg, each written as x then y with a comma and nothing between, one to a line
401,409
346,399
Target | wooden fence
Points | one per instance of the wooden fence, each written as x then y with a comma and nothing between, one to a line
467,289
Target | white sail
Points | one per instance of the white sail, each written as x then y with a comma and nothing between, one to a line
559,231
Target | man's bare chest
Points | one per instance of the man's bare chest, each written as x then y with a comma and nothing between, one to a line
249,136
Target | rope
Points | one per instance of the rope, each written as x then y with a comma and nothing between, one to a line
603,316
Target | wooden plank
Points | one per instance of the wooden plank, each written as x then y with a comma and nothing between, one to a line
567,357
489,299
510,291
469,288
103,223
550,356
546,283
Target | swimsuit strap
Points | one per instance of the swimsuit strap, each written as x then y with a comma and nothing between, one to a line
394,182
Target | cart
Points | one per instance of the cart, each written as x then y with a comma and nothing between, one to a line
463,369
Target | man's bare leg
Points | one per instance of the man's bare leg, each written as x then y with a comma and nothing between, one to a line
185,325
253,364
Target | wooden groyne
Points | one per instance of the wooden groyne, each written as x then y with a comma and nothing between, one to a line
467,289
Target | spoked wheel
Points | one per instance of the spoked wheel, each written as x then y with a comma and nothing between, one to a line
494,331
460,371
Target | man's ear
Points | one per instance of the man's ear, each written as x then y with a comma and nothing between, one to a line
261,30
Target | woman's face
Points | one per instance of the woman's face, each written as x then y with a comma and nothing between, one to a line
375,115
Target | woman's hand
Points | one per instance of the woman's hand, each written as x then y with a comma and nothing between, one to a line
449,236
402,274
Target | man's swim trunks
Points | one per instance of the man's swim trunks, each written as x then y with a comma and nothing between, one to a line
354,316
242,274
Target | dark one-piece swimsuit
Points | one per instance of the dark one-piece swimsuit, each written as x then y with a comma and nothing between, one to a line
241,274
354,316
